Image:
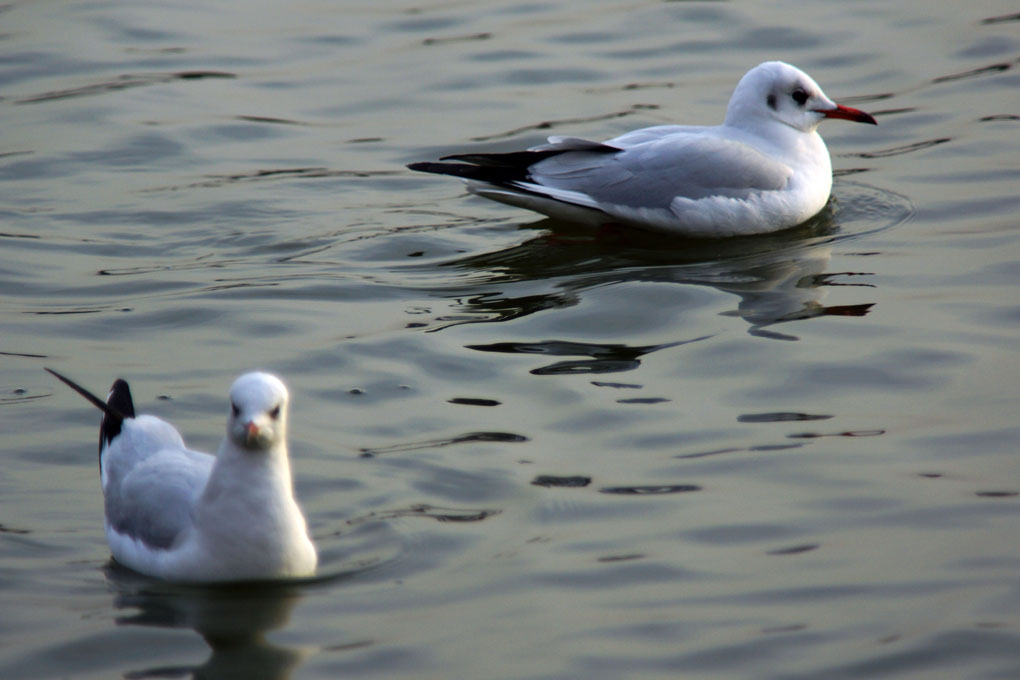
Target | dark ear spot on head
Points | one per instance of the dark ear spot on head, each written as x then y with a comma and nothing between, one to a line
771,101
234,410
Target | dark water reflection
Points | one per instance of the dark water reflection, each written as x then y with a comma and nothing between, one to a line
233,621
778,277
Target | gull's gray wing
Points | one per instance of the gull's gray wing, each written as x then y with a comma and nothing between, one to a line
655,165
150,482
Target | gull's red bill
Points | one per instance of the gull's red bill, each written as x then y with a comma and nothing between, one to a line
848,113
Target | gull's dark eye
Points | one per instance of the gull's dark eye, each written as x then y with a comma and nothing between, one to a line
800,96
275,413
233,409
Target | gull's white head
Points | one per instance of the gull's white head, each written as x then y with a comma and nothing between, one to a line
777,91
258,411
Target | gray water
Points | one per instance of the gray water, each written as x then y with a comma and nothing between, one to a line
524,452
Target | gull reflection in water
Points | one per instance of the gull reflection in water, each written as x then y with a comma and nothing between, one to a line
232,619
777,278
782,286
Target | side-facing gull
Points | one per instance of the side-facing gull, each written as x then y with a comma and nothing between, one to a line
765,168
187,516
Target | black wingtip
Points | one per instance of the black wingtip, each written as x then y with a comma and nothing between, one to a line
106,408
457,170
494,168
461,170
120,398
118,407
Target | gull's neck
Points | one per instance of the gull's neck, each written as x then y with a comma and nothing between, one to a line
241,471
778,140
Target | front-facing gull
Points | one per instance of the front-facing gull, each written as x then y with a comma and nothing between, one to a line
765,168
187,516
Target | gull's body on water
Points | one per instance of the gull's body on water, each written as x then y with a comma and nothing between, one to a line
183,515
765,168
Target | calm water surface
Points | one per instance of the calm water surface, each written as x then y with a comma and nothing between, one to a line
524,452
